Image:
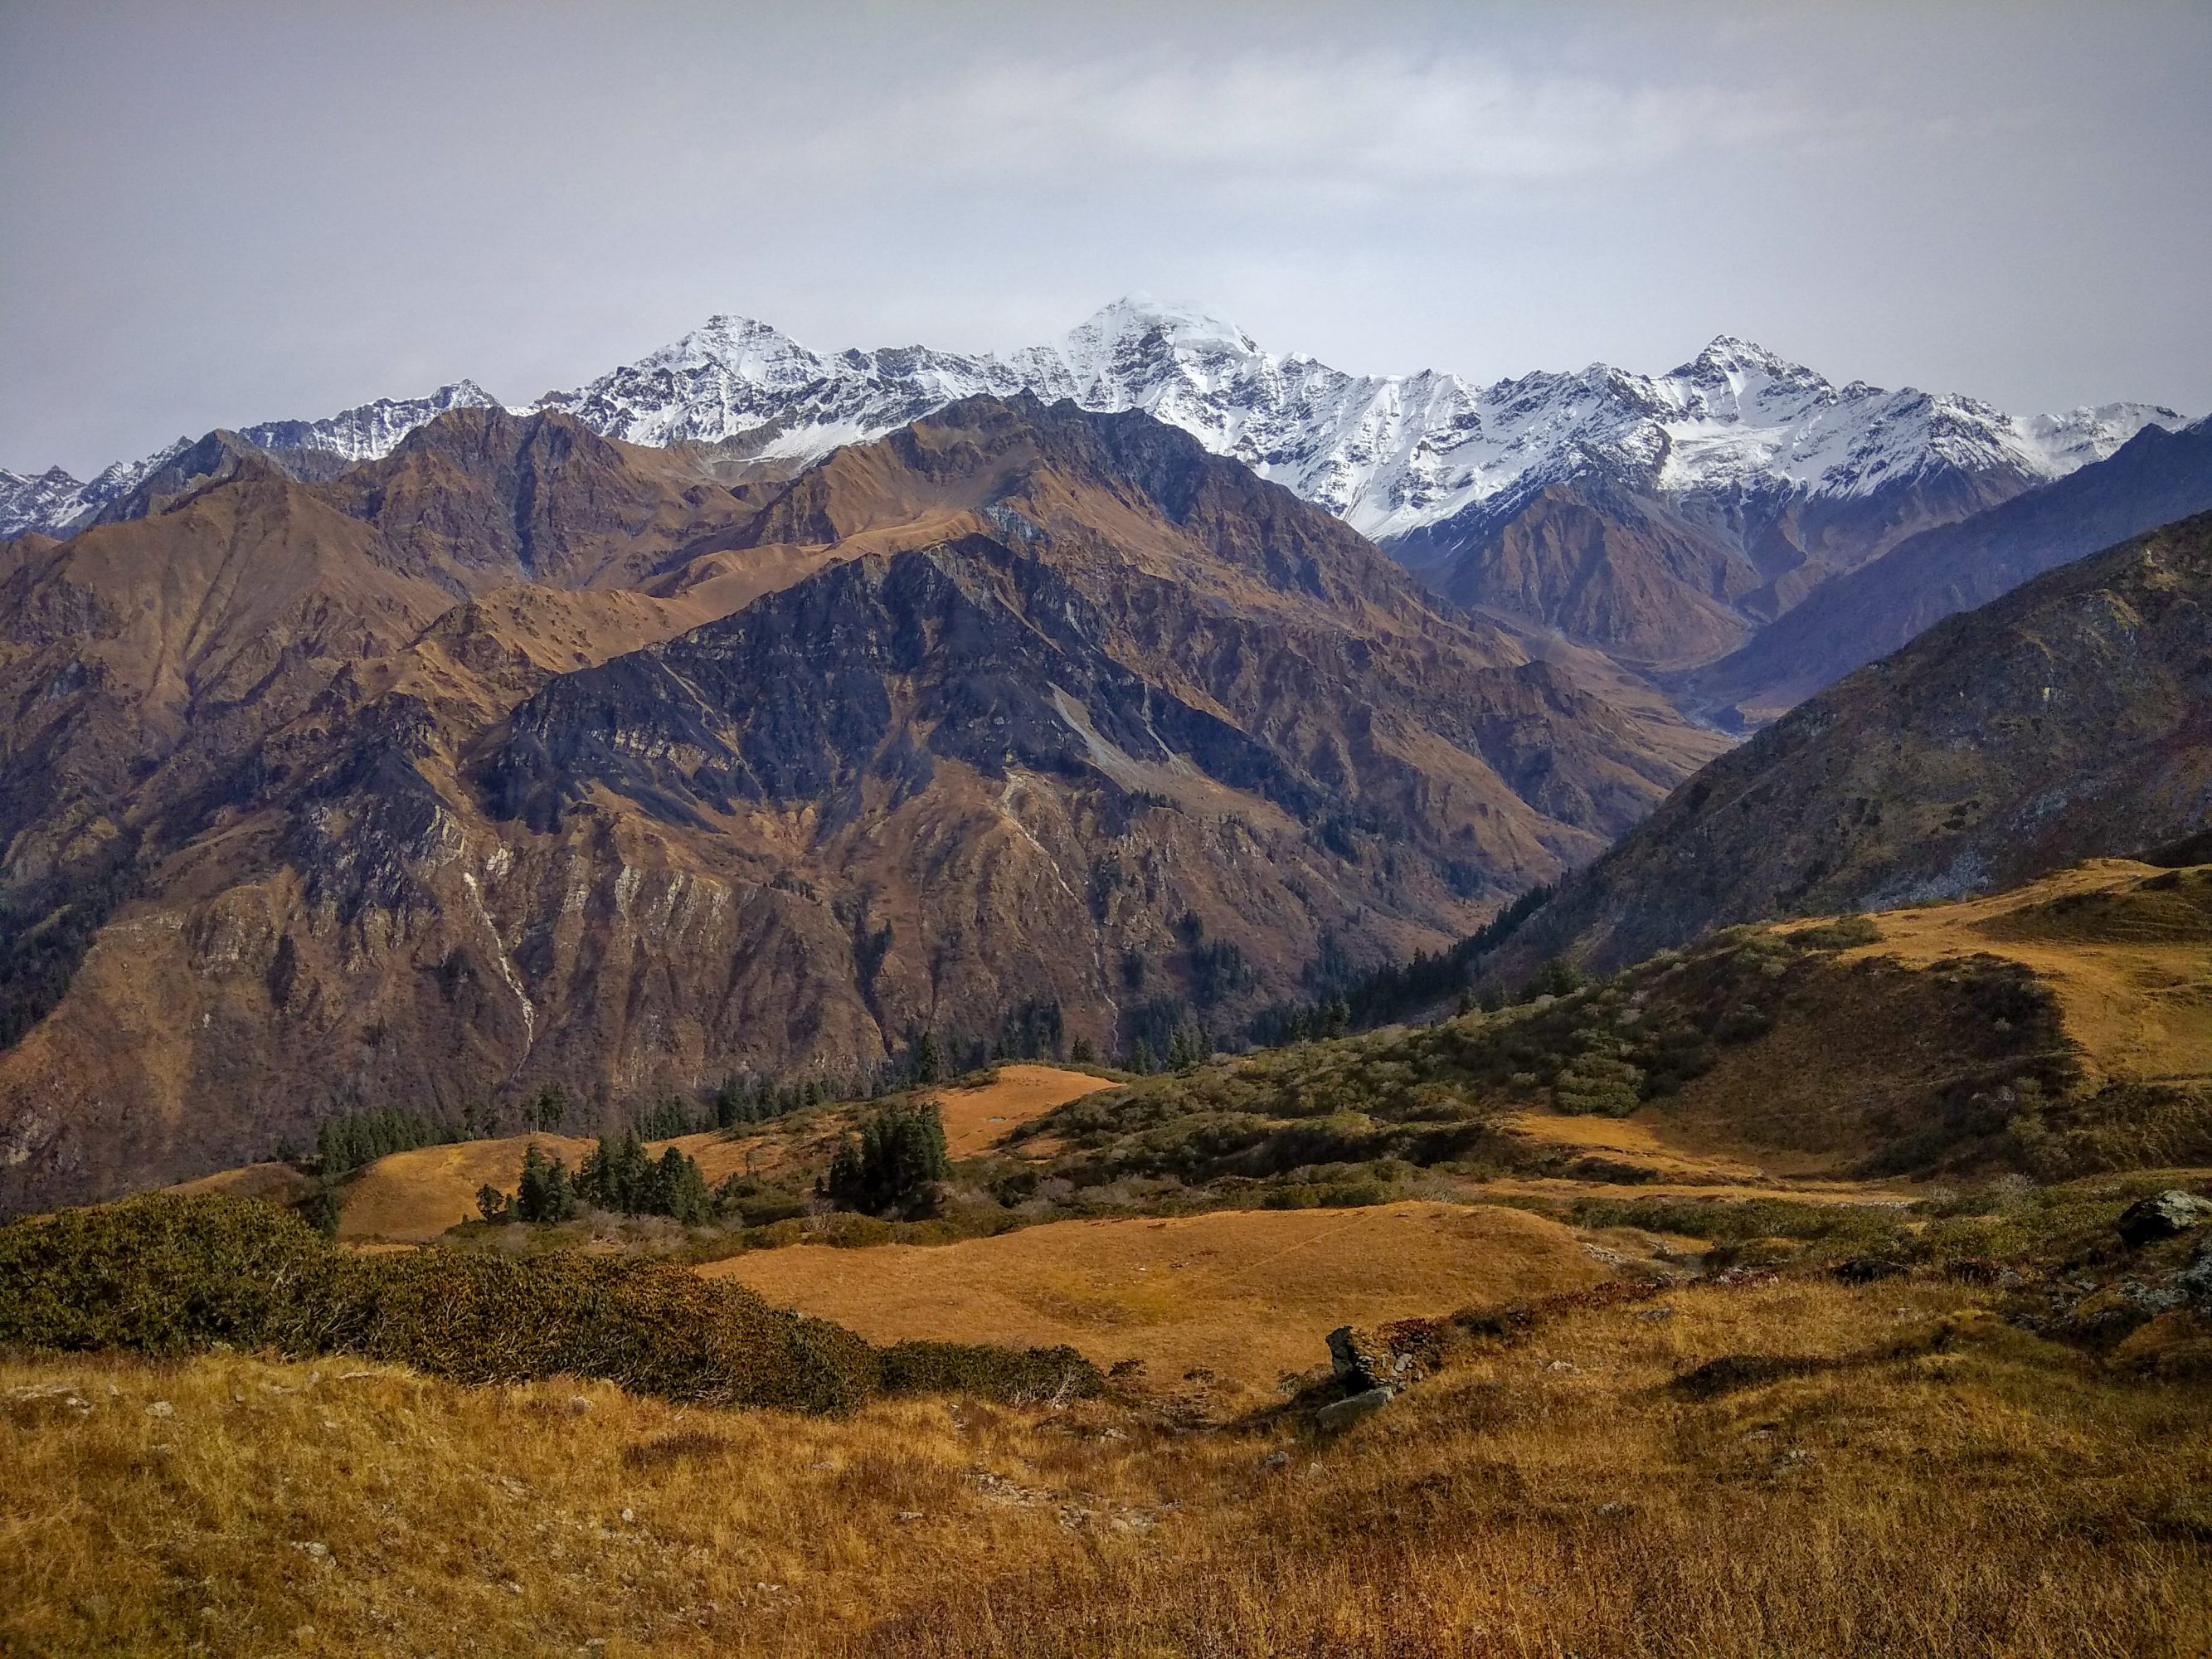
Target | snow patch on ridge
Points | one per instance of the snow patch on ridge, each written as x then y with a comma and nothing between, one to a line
56,504
1389,453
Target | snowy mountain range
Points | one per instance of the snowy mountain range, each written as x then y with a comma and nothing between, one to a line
54,503
1391,454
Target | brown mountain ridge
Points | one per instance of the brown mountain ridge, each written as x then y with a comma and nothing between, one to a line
412,787
2070,720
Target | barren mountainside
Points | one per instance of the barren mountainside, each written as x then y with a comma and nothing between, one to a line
2070,719
2156,478
521,755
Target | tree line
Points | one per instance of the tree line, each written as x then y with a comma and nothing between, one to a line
618,1175
893,1165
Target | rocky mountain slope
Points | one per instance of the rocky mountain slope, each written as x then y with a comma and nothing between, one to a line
2157,478
2066,721
1662,520
54,502
1777,476
321,798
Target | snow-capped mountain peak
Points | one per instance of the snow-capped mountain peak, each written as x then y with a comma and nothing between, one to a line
1138,320
365,433
1726,355
1390,453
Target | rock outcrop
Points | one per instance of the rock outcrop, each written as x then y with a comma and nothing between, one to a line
2163,1215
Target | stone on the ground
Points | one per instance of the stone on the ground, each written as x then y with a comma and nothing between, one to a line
2163,1215
2195,1281
1358,1361
1343,1414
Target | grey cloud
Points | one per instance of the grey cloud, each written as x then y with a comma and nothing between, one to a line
224,211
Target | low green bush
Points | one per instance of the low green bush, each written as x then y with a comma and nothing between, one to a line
1737,1221
652,1327
159,1275
1841,934
167,1275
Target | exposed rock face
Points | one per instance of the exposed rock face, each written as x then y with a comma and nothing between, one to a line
481,498
1392,1358
2163,1215
1357,1364
411,788
1341,1415
2065,720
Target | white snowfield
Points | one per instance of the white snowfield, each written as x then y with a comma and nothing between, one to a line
1389,453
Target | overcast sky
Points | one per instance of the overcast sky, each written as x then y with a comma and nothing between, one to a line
216,214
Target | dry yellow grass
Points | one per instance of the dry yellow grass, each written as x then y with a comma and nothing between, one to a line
977,1119
409,1197
2134,985
1247,1294
1951,1487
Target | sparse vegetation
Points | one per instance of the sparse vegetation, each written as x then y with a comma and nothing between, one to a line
1843,933
1307,1113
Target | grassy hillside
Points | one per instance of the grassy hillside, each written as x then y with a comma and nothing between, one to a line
2060,1029
1791,1320
2056,1031
1788,1465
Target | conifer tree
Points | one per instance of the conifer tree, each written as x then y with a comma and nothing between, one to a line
893,1163
549,1109
731,1107
678,1188
545,1194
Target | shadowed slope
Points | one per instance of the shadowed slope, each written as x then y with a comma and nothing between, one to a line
2071,719
2158,477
